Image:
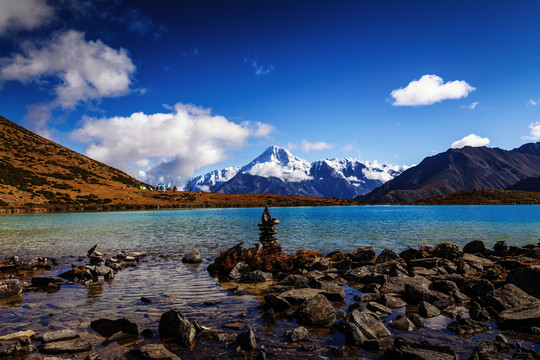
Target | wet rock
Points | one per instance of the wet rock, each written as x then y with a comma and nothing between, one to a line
445,286
107,327
405,349
467,327
17,335
362,325
378,345
298,296
46,281
235,325
256,276
507,297
477,312
332,291
246,340
153,352
147,333
121,338
520,318
344,265
175,326
316,311
485,351
500,247
101,270
417,291
238,270
17,351
448,250
402,324
396,285
478,287
502,343
525,354
12,287
427,310
392,301
379,309
363,254
146,300
416,319
269,316
65,347
276,302
57,335
476,247
322,264
297,335
386,255
526,278
192,257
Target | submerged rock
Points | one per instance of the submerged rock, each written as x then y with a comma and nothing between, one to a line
467,327
153,352
173,325
66,346
108,327
246,340
192,257
298,334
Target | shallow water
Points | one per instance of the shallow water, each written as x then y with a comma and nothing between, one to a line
167,235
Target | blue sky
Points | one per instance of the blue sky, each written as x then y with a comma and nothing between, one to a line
175,88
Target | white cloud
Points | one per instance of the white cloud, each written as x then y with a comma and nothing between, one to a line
270,170
23,15
470,140
533,102
169,145
257,67
375,174
262,129
307,146
535,131
472,106
430,89
348,148
291,146
76,69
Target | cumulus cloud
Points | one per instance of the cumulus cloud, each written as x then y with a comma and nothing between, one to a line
162,145
535,131
293,175
470,140
76,69
262,129
376,174
257,67
23,15
430,89
321,145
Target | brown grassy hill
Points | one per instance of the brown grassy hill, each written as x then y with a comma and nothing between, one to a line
39,175
483,197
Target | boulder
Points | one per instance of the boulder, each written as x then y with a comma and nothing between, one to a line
316,311
500,247
520,318
47,281
298,334
405,349
238,270
276,302
402,324
467,327
174,325
526,278
12,287
257,276
298,296
246,340
386,255
192,257
485,351
363,254
476,247
153,352
101,270
427,310
362,325
477,312
473,287
448,250
107,327
507,297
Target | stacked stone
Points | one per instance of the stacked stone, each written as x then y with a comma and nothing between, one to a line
94,256
267,228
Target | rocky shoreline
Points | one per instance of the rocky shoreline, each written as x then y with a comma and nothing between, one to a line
375,305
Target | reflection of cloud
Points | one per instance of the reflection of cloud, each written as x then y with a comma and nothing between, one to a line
428,90
470,140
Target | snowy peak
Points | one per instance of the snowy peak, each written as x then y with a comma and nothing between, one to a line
279,163
212,180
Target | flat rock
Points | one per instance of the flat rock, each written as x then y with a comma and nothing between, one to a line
362,325
235,325
404,349
526,278
108,327
427,310
65,347
154,352
316,311
520,318
467,327
58,335
17,335
297,296
507,297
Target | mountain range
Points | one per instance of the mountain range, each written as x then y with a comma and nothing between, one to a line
457,170
277,171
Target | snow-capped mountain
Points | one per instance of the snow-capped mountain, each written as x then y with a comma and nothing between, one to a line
277,171
212,180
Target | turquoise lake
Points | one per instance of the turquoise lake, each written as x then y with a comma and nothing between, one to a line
170,284
319,228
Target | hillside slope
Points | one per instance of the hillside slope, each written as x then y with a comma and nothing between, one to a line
456,170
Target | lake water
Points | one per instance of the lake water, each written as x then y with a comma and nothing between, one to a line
167,235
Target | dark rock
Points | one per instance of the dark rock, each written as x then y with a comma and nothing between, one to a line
322,264
236,325
297,335
533,253
332,291
276,302
46,281
378,345
269,316
262,354
147,333
416,292
174,325
362,325
386,255
405,349
520,318
428,263
502,343
257,276
526,278
9,288
298,296
445,286
316,311
153,352
416,319
402,324
379,309
107,327
507,297
485,351
247,340
121,338
427,310
363,254
17,351
58,335
448,250
238,270
525,354
392,301
500,247
65,347
296,281
474,287
477,312
476,247
467,327
146,300
192,257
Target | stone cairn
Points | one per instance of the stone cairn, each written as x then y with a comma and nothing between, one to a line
267,228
